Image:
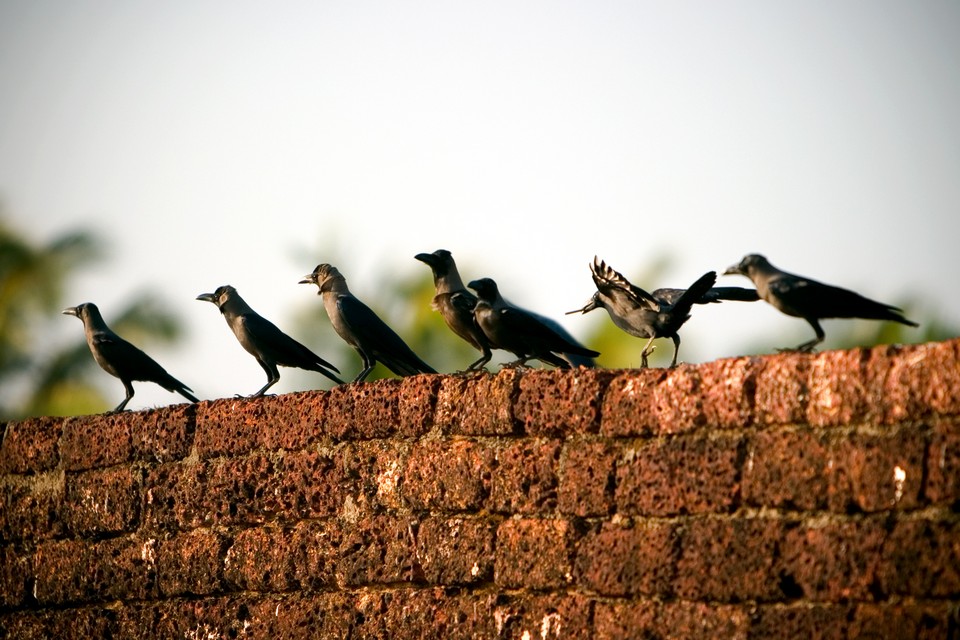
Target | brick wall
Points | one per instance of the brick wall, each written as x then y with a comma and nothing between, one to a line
780,496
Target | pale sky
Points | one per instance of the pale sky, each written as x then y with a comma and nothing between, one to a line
220,142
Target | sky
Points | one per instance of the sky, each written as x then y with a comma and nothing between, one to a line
245,142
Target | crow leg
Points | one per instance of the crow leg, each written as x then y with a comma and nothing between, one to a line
647,350
807,347
128,387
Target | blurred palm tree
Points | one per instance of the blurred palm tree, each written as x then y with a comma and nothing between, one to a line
36,377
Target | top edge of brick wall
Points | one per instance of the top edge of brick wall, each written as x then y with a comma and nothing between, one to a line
881,385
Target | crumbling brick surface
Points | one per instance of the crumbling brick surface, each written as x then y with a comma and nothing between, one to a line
783,496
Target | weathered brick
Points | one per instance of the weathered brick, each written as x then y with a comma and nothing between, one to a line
451,475
803,620
65,624
199,618
478,404
31,446
788,469
304,484
437,614
379,549
364,411
887,376
71,571
834,562
943,464
534,554
192,563
587,475
561,402
225,491
31,507
728,387
680,620
370,474
525,477
730,560
164,434
922,559
909,619
456,551
782,390
936,376
657,478
836,387
620,561
678,401
102,501
417,399
877,472
15,572
94,442
283,558
629,404
527,616
235,426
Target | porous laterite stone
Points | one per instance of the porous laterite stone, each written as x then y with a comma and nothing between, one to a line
31,446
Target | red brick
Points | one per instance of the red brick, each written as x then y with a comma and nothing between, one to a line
15,571
81,571
943,464
304,484
888,373
525,477
364,411
226,491
836,384
450,475
617,561
629,404
836,561
456,551
66,624
560,402
528,616
284,558
417,399
534,554
877,472
782,388
587,475
935,377
31,446
788,469
377,550
631,620
235,426
437,614
371,473
164,434
94,442
655,479
478,404
195,619
728,387
192,563
918,620
803,620
730,560
31,507
102,501
678,401
922,559
675,620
